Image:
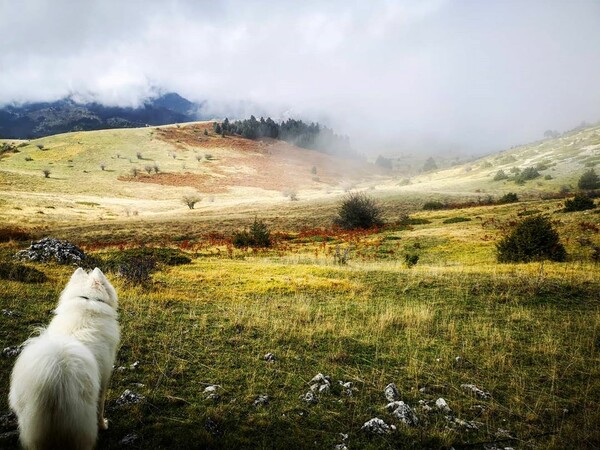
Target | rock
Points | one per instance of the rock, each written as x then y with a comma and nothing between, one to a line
10,313
347,387
211,392
310,397
261,400
425,406
134,366
501,433
213,428
441,404
403,413
476,391
129,398
320,383
50,249
377,426
391,393
129,439
468,425
8,421
340,447
269,357
12,352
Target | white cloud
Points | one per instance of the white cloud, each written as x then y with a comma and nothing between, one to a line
483,74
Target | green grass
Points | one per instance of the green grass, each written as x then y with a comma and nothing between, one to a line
529,334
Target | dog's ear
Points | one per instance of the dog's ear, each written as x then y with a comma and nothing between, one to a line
79,274
98,276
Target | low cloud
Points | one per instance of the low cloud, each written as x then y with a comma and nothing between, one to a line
391,74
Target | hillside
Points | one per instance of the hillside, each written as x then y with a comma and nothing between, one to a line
559,162
114,173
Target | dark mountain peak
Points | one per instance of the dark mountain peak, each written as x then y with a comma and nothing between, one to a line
173,102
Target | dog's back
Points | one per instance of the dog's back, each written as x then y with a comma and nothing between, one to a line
54,392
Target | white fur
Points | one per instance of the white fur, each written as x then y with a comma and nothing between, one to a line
59,382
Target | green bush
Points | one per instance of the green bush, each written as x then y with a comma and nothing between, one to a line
529,173
580,202
533,239
433,206
258,236
358,211
411,259
457,220
500,175
589,180
161,255
19,272
511,197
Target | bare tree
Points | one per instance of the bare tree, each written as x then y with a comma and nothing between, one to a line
139,155
156,168
135,171
46,173
148,169
102,166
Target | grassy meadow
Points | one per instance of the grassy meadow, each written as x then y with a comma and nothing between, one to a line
529,334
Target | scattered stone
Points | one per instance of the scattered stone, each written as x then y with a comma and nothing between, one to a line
425,406
134,366
129,398
347,387
377,426
320,383
121,369
403,413
442,405
261,400
129,439
501,433
138,385
50,249
476,391
10,313
12,352
391,393
213,428
310,397
211,392
340,447
468,425
269,357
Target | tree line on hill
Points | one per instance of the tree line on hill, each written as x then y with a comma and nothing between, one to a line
312,135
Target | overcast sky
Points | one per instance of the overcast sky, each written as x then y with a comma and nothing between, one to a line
480,75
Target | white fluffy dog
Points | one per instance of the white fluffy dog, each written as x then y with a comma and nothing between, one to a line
59,382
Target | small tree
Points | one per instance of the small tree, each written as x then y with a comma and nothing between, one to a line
102,166
580,202
218,128
156,168
135,171
534,239
148,169
589,180
191,200
258,236
358,211
511,197
205,132
139,155
500,175
46,173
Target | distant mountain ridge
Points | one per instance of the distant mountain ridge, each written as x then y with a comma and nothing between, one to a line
34,120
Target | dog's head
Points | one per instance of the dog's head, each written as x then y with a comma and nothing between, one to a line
92,287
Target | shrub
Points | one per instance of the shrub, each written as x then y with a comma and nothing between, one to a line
407,220
148,169
589,180
156,168
14,234
500,175
358,211
46,173
529,173
137,270
20,272
135,171
533,239
190,200
511,197
40,146
139,155
457,220
411,259
258,236
208,156
433,206
580,202
160,255
102,166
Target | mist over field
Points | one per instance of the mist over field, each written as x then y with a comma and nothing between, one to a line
430,75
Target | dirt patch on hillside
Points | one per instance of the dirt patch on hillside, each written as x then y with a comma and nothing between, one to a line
265,164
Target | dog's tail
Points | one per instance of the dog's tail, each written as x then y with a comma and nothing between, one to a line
54,392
